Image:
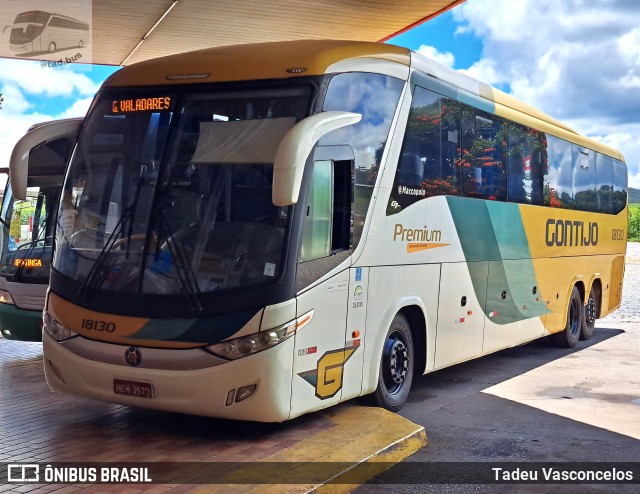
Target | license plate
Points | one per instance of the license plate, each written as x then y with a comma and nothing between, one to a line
133,388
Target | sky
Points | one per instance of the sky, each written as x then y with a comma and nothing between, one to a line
577,60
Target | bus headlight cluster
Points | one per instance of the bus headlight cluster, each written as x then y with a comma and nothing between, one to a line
254,343
5,298
55,329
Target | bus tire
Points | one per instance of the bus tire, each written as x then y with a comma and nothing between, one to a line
590,313
52,47
396,366
570,335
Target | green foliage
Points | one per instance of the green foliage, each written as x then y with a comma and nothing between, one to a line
634,195
634,223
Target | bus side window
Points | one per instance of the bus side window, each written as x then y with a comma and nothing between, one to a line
619,186
317,228
327,237
584,178
604,177
327,221
483,156
524,164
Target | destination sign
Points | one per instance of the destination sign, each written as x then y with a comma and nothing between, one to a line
27,263
141,104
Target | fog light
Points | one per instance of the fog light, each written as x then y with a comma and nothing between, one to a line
5,298
244,392
6,333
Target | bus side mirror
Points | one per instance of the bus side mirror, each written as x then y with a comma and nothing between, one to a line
295,147
19,162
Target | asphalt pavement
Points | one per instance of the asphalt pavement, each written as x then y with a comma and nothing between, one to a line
533,403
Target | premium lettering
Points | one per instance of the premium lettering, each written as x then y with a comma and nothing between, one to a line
416,234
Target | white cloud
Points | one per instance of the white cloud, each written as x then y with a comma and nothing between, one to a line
484,70
78,109
51,82
577,60
24,84
432,53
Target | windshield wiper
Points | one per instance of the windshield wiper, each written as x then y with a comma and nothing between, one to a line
185,274
128,216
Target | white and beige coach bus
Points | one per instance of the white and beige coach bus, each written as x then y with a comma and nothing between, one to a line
256,232
29,206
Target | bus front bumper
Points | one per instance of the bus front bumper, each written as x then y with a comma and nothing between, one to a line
212,391
20,324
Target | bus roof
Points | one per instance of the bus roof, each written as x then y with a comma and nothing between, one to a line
275,60
288,59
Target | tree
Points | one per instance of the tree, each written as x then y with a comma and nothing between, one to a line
634,224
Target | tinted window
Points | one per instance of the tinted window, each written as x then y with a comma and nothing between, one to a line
430,151
584,178
483,156
525,164
375,97
68,24
619,186
604,177
558,189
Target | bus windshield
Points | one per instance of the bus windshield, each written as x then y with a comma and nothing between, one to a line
28,26
26,232
170,193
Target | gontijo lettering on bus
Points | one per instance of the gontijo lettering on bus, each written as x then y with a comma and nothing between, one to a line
140,104
418,238
567,233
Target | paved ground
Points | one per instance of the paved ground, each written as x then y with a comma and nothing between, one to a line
534,403
39,426
531,403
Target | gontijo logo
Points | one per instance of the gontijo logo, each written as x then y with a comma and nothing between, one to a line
418,238
568,233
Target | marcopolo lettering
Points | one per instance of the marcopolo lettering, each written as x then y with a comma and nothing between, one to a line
571,233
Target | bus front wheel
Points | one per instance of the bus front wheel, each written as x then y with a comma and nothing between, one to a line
571,334
396,366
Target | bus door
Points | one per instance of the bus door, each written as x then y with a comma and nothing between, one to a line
322,355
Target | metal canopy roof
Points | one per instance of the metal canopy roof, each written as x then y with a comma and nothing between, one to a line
126,31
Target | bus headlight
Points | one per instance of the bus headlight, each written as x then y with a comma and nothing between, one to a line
55,329
254,343
5,298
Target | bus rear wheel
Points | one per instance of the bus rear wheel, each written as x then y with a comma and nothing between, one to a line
571,334
396,366
590,313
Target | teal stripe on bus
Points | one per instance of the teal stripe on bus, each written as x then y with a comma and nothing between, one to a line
495,246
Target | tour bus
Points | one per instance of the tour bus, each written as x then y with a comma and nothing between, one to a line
38,31
260,231
29,205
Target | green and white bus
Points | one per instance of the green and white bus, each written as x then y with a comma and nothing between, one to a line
260,231
29,204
